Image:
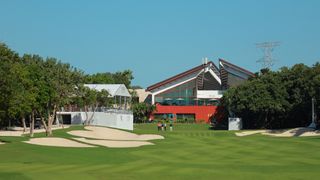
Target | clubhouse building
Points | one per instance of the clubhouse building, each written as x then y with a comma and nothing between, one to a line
194,94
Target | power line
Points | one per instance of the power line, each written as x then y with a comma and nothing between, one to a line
267,60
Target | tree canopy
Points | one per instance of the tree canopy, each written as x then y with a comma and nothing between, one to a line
35,87
125,77
280,99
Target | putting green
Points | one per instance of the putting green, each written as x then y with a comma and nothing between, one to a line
189,152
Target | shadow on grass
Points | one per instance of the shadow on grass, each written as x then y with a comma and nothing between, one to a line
5,141
12,175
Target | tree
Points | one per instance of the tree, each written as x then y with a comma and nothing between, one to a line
258,100
276,99
32,87
57,90
121,77
19,103
90,100
141,111
124,77
9,65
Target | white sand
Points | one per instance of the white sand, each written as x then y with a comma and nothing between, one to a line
1,142
95,132
101,136
114,144
58,142
11,133
17,131
247,133
296,132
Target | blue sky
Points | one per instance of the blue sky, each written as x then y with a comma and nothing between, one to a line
158,39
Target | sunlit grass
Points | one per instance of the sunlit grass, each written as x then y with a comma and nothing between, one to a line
190,151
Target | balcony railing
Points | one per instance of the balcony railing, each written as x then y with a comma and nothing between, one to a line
98,109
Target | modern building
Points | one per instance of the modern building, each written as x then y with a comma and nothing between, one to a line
116,116
195,93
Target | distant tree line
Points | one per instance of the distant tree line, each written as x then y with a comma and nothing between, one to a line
276,99
125,77
35,87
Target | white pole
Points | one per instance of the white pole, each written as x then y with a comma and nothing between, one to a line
313,120
313,123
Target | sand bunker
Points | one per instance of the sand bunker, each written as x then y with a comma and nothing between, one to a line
112,134
247,133
18,131
101,136
296,132
59,142
11,133
1,142
114,144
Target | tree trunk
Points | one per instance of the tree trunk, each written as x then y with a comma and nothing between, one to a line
23,119
44,125
9,122
94,110
86,112
31,123
267,123
61,121
50,121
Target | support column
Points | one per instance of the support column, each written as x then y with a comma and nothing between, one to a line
152,99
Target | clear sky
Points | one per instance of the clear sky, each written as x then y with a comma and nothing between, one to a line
160,38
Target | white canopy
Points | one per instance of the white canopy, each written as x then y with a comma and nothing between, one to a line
113,89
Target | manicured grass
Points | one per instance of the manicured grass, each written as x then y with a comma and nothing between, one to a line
189,152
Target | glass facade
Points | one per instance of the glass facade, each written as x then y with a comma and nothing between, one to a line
183,94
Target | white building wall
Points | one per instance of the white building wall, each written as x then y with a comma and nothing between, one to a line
108,119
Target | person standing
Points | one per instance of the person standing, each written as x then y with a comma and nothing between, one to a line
159,126
165,126
162,126
171,126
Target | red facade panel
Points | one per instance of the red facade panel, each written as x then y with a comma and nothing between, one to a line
200,112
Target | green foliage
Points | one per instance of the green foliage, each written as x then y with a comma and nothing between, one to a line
125,77
136,87
33,85
141,111
276,99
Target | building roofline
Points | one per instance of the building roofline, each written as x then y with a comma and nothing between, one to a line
237,67
178,76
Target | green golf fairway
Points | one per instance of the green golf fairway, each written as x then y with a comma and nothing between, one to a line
191,151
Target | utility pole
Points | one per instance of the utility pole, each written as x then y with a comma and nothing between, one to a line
313,122
267,60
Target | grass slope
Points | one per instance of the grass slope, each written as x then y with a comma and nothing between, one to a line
190,152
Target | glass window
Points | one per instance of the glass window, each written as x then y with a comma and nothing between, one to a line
180,95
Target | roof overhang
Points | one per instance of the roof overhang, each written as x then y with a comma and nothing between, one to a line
113,89
191,72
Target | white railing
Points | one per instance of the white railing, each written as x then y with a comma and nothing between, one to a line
209,94
99,109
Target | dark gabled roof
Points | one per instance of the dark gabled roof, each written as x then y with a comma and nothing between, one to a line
236,67
178,76
196,69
